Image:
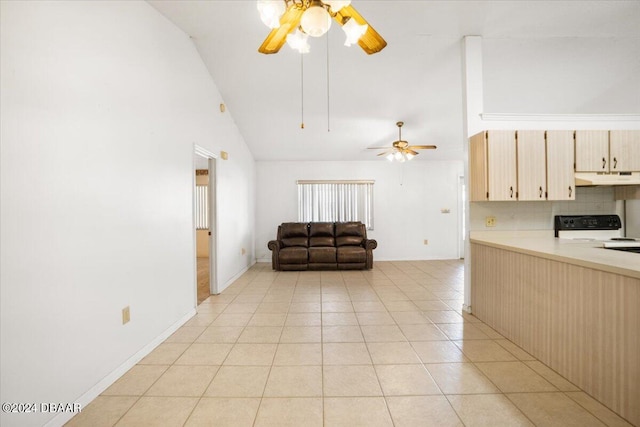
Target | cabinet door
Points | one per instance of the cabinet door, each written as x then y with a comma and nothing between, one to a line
501,167
478,168
532,179
624,150
561,181
592,151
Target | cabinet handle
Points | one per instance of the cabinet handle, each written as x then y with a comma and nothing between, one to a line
570,191
615,162
541,192
604,162
511,192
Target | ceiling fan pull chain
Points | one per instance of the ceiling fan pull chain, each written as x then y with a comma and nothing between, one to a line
301,91
328,108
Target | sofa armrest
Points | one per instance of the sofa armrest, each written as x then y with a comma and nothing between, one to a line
274,247
370,244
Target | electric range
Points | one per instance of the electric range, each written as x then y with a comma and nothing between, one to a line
606,230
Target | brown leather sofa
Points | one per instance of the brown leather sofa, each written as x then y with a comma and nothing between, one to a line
322,246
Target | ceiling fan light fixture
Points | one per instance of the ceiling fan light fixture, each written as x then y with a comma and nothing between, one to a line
270,12
409,156
315,21
353,31
390,157
398,156
336,5
298,41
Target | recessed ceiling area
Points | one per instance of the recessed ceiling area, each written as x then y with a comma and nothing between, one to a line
560,57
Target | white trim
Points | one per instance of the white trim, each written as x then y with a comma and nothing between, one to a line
466,308
203,152
491,117
106,382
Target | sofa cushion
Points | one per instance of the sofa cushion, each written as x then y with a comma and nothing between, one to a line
349,229
321,234
351,254
349,234
294,234
293,255
322,241
322,255
349,241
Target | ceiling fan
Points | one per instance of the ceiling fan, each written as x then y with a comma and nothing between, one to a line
292,21
401,150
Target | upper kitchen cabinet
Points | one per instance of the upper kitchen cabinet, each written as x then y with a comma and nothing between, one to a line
592,151
561,182
492,164
624,150
531,165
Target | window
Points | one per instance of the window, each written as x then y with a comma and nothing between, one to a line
338,201
202,207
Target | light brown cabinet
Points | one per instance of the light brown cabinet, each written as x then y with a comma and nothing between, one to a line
624,150
561,181
492,163
531,165
523,165
608,151
592,151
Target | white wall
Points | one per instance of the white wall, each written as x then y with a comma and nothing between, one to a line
102,103
561,75
408,199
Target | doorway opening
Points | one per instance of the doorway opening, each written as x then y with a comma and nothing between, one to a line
204,213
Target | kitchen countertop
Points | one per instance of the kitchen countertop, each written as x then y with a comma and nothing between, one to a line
543,244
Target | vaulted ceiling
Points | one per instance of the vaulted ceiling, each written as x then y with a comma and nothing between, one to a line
353,100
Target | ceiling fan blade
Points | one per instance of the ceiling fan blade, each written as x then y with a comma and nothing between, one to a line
410,151
386,152
378,148
289,21
371,42
422,147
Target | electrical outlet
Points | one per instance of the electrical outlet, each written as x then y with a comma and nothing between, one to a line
243,251
426,242
490,221
126,315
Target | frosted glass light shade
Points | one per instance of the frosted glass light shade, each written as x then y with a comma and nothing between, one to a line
270,12
353,31
336,5
409,156
298,41
315,21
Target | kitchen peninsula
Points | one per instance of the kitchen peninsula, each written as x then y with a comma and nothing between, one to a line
572,304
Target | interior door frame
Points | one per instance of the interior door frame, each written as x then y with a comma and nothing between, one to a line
213,220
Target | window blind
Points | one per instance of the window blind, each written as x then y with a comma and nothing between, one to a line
336,201
202,207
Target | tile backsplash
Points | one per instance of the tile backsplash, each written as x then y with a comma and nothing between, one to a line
539,215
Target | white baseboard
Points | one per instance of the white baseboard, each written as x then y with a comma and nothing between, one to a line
466,308
106,382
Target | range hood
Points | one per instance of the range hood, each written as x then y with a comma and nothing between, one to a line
584,179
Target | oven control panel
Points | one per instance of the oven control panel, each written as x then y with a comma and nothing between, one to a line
586,222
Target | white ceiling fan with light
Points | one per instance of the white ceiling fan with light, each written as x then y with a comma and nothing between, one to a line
293,21
400,150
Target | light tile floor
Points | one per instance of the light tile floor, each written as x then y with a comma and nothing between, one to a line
387,347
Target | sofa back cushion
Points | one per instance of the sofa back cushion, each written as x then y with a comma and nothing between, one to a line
321,234
294,234
349,233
